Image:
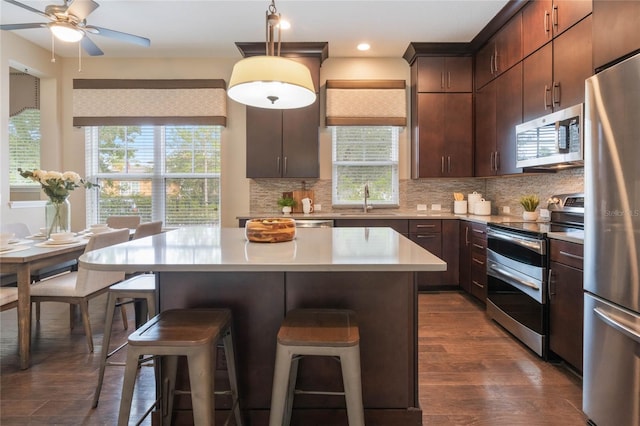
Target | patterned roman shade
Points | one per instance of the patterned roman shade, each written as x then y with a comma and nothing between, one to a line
366,103
153,102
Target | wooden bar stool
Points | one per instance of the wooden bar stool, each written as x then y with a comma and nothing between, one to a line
139,287
321,332
193,333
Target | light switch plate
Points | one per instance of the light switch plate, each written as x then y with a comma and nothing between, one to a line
422,207
506,209
317,207
436,207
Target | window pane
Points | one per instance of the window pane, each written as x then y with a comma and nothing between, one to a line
365,155
126,149
24,145
124,197
192,201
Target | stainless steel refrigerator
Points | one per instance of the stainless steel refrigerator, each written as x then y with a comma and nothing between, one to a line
611,373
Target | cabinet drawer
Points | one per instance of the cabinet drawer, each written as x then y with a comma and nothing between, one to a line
479,230
425,226
567,253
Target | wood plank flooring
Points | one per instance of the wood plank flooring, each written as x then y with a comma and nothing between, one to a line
471,372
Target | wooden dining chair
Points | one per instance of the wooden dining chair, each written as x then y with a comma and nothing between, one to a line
77,288
147,229
119,222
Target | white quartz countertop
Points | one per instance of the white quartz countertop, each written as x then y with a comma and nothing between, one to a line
572,236
214,249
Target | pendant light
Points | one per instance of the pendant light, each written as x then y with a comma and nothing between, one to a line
271,81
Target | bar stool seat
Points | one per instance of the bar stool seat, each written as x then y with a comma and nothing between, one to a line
319,332
139,287
193,333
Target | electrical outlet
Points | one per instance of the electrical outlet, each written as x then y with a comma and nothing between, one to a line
422,207
506,209
436,207
317,207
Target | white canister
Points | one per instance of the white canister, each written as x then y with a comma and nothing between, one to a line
472,200
460,206
483,207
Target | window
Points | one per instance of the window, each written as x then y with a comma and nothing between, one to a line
365,155
24,146
168,173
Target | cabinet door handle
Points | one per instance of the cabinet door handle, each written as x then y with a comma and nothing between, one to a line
448,79
442,79
492,167
426,235
479,231
555,15
477,283
479,262
551,293
571,255
495,61
466,235
425,226
491,64
442,164
546,21
547,95
278,165
285,167
478,246
497,160
449,164
556,93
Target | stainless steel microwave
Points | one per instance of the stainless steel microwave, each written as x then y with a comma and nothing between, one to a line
551,142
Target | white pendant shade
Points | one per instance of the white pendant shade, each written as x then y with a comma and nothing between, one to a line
66,32
271,82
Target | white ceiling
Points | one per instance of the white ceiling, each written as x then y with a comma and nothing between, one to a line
209,28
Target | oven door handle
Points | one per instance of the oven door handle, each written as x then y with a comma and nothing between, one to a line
498,269
536,246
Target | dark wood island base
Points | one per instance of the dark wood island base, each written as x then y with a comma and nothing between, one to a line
386,305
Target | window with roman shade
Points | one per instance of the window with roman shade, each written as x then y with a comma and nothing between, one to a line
154,149
365,117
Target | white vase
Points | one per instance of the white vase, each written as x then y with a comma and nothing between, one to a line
57,216
530,216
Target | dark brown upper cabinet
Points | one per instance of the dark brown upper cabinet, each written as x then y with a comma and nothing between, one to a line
501,52
444,74
616,30
284,143
554,75
544,19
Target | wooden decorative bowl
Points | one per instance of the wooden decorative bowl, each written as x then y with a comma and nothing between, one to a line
270,230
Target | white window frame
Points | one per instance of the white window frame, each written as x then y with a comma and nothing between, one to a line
392,200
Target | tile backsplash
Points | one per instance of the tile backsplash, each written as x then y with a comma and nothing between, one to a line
501,191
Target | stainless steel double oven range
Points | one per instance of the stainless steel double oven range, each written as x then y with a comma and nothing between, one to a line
518,268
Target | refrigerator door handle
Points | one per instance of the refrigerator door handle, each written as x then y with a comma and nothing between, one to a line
622,328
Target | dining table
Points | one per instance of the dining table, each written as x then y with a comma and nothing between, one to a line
23,257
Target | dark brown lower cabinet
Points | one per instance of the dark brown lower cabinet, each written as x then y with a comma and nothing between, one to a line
440,237
566,301
478,261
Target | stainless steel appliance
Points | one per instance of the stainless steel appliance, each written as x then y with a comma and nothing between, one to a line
551,142
611,377
517,271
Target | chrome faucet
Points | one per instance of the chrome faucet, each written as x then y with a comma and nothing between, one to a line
366,206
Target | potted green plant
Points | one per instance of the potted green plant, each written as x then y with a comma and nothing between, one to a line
529,203
286,203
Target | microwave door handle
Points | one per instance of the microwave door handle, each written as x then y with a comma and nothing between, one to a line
609,320
514,277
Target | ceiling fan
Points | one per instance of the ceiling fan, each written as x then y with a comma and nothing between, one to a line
68,23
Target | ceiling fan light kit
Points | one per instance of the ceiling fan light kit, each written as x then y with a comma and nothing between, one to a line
65,31
271,81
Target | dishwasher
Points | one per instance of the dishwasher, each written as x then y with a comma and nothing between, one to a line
314,223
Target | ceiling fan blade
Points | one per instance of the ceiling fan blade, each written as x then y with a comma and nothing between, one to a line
29,8
82,8
90,47
142,41
9,27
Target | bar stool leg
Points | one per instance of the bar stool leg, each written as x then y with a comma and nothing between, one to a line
170,364
279,391
229,353
350,363
200,378
128,384
293,378
111,305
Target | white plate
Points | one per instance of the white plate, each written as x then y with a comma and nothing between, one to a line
60,242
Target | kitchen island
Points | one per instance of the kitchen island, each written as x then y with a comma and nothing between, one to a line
369,270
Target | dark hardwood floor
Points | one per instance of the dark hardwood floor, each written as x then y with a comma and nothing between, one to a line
471,372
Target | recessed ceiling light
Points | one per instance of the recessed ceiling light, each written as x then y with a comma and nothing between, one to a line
364,46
